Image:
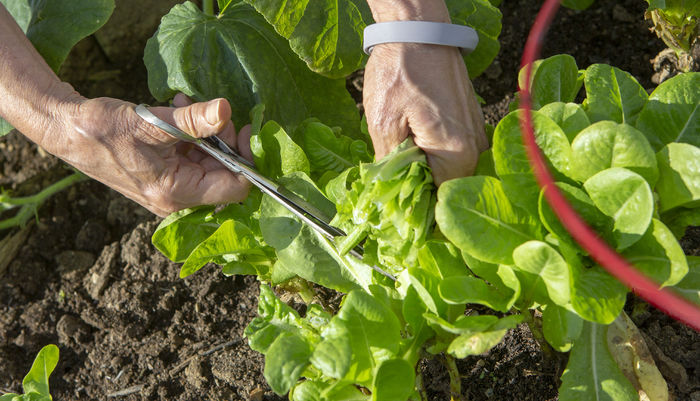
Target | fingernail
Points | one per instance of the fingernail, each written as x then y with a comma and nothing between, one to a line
212,113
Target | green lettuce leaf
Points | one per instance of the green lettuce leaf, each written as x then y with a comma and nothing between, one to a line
36,382
299,246
390,207
612,94
673,112
658,255
570,117
480,204
679,183
554,79
513,165
596,296
607,144
625,197
276,154
485,18
592,374
328,151
370,329
561,327
543,261
689,287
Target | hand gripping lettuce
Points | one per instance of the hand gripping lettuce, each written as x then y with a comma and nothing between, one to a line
391,207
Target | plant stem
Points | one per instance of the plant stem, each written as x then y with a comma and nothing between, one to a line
535,326
208,7
29,204
455,379
420,386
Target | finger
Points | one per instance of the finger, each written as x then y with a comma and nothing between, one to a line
198,119
450,157
182,100
387,129
244,143
196,185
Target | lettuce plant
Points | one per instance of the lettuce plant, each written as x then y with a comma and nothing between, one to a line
676,22
36,382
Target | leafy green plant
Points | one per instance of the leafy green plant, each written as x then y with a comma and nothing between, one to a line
676,22
36,382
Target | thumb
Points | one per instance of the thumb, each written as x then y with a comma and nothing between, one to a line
200,120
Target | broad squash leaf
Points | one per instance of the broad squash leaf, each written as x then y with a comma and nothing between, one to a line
240,57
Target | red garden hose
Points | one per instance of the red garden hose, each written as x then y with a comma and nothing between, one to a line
668,302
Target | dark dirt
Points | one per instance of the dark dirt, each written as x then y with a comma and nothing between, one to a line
87,278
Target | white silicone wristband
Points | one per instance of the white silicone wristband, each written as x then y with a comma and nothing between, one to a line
435,33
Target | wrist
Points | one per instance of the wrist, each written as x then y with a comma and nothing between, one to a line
409,10
55,111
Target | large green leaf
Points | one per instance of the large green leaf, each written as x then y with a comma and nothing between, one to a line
596,295
276,154
54,27
582,204
607,144
179,233
673,112
612,94
372,330
227,244
328,151
327,35
513,165
479,342
560,327
626,197
540,259
486,21
394,380
240,57
679,183
658,255
554,79
592,374
285,361
476,215
459,290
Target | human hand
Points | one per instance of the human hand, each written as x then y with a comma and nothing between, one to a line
107,140
424,91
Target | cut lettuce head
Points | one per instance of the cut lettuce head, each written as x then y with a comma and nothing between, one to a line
390,207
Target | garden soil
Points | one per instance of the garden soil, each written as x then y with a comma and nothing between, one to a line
85,276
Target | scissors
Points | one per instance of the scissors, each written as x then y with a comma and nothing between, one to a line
220,151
